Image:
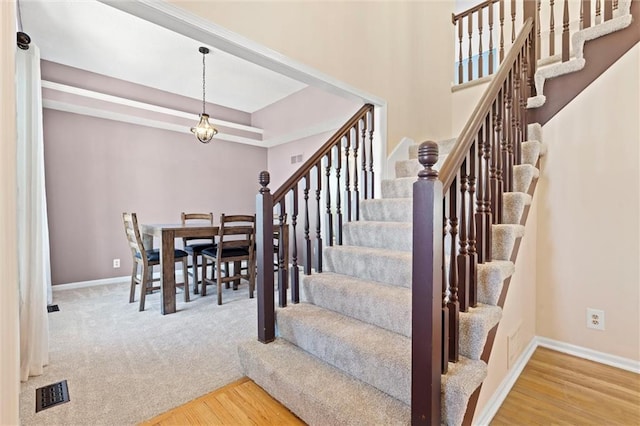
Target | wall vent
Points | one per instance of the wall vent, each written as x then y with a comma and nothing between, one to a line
52,308
50,395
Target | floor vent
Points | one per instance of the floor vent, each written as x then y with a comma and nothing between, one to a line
52,308
50,395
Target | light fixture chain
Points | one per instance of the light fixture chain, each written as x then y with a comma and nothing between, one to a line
203,83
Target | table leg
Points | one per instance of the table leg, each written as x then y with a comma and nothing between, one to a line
168,279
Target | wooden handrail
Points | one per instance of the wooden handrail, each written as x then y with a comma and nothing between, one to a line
463,144
456,17
321,152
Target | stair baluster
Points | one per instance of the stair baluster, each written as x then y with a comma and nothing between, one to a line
470,57
513,21
307,241
369,117
318,243
282,271
443,284
347,176
329,214
460,68
552,36
363,154
480,50
598,11
356,190
565,32
585,7
295,269
491,38
453,304
462,261
338,190
501,30
472,292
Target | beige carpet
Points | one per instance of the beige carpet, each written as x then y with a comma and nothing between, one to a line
125,366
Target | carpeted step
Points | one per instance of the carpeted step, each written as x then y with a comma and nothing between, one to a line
410,168
474,328
398,188
531,152
327,396
376,356
444,147
385,306
385,235
387,209
523,175
513,205
331,397
503,239
491,276
373,264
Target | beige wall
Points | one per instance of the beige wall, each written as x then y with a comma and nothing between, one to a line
588,253
519,314
96,169
9,326
400,51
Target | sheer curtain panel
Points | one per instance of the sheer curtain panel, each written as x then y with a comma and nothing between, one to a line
34,270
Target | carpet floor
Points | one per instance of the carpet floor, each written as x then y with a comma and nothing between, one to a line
123,366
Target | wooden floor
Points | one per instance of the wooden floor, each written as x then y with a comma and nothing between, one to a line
553,389
239,403
560,389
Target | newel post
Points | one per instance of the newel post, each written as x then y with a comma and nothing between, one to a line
264,258
426,346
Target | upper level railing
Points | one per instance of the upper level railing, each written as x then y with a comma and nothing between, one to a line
486,31
337,176
453,212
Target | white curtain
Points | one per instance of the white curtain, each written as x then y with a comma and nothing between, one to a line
34,270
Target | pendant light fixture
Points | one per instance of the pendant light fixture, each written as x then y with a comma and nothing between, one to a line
204,131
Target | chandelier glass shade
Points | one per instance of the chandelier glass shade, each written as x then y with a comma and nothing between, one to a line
204,131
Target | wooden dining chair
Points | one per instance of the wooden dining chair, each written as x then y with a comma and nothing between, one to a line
195,245
236,236
144,259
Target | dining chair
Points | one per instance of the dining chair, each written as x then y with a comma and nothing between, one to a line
145,259
195,245
236,236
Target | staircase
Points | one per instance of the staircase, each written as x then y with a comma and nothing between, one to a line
344,354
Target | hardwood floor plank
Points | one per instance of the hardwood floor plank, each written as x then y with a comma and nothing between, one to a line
560,389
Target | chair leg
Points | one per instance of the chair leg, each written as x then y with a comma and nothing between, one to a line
219,280
144,282
185,277
236,271
194,265
226,270
252,276
203,291
132,292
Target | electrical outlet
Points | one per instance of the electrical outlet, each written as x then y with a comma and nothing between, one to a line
595,319
116,263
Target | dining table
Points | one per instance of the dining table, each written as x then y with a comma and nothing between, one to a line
167,233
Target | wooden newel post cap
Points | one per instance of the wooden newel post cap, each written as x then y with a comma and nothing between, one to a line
264,178
428,157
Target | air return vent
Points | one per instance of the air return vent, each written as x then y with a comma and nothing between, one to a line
52,308
50,395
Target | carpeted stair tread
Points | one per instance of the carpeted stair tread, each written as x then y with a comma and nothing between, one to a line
513,205
383,305
374,264
328,396
503,238
530,152
444,147
398,188
523,175
387,209
490,279
474,328
384,235
458,384
376,356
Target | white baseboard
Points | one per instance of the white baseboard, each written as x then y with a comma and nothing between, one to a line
104,281
498,397
590,354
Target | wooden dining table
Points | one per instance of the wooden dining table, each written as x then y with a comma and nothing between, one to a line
168,233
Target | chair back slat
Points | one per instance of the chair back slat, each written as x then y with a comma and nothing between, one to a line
132,231
196,217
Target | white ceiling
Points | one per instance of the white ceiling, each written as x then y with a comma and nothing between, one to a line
99,38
